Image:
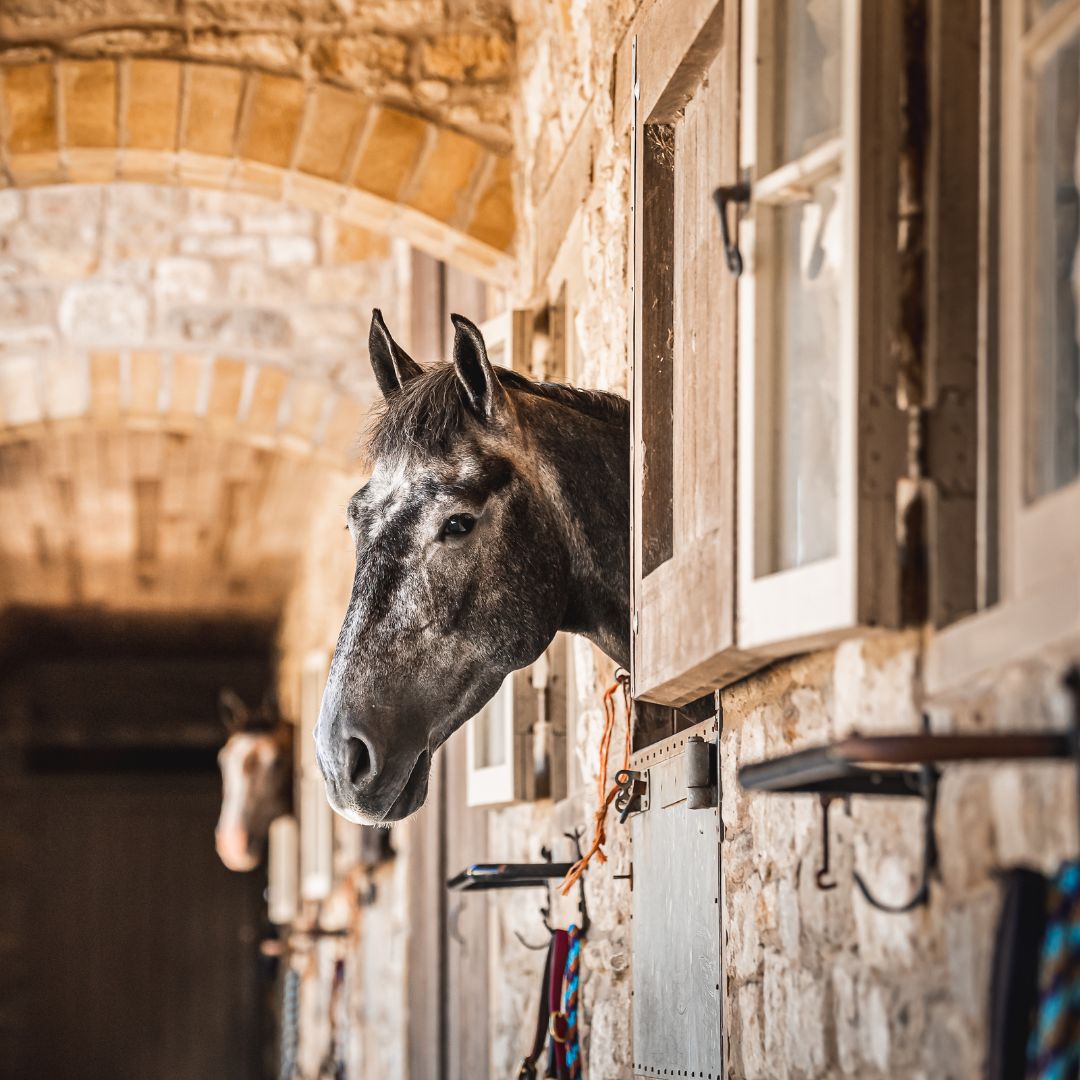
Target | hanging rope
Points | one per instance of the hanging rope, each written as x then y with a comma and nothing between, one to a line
570,1005
622,679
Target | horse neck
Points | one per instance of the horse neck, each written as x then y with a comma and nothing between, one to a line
590,459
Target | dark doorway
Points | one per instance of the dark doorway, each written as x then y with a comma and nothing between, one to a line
129,951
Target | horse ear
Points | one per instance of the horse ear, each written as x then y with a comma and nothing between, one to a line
233,711
391,363
482,387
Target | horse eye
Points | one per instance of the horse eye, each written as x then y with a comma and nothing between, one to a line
459,525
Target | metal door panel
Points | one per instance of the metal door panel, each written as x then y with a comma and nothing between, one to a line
676,912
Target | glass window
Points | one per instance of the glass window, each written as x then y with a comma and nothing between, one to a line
798,453
491,722
810,75
1053,423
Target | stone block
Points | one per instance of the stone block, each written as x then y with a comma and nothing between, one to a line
254,178
104,311
251,283
279,219
390,153
211,107
468,58
874,1039
106,390
144,382
11,206
223,247
180,280
278,52
19,396
152,104
493,220
328,328
353,243
333,125
65,384
257,328
446,175
139,221
291,250
30,103
363,60
89,89
187,374
273,122
26,313
265,404
226,386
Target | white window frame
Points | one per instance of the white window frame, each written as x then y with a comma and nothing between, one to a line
1040,537
812,605
1038,610
494,785
316,816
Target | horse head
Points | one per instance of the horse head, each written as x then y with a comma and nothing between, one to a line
496,515
256,769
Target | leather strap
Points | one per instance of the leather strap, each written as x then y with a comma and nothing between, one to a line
560,947
548,1011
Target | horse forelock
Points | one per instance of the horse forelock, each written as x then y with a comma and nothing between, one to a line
430,412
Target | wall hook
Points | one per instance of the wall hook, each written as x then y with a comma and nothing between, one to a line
583,908
928,790
824,879
925,785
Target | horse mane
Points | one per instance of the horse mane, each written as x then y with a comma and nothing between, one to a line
429,411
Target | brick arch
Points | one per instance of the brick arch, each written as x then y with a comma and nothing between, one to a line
312,144
247,401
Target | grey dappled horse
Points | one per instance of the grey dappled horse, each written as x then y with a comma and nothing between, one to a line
497,514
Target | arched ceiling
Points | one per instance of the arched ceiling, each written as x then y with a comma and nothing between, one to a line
183,376
200,195
298,139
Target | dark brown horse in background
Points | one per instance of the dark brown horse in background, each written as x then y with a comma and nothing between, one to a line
256,776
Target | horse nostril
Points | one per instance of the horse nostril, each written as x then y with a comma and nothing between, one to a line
361,765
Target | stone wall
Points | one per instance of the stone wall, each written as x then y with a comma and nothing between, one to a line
89,267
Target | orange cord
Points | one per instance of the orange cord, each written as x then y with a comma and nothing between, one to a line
605,799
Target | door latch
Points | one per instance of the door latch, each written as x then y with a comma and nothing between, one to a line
740,195
632,789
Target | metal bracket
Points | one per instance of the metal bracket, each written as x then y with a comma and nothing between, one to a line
926,788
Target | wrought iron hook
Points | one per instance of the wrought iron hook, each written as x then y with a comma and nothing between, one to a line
928,784
927,789
824,879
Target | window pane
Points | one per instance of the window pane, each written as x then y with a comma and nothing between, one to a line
798,394
491,734
1053,440
809,75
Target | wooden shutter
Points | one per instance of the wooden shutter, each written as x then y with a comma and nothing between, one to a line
686,87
